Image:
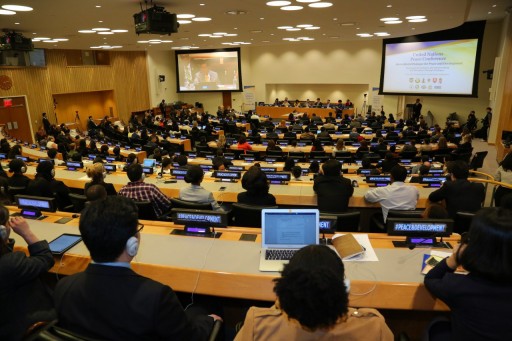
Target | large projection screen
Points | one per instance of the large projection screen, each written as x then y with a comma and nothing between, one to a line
424,65
208,70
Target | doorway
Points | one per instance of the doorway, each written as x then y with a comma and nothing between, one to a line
14,115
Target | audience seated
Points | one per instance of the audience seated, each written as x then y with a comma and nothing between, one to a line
97,173
312,304
458,193
137,190
389,163
503,174
332,189
396,196
109,300
18,178
24,297
479,301
44,185
435,211
423,171
95,192
255,182
196,193
297,173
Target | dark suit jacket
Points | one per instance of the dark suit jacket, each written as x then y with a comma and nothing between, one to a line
18,180
248,198
460,195
333,193
108,187
23,296
115,303
41,187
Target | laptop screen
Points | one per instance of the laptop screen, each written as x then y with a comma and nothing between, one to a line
284,228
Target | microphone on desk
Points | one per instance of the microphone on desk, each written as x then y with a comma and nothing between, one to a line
165,163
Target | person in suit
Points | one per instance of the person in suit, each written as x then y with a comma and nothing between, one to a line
416,109
45,185
196,193
111,301
25,299
46,124
18,178
479,301
459,194
205,75
312,304
256,187
332,189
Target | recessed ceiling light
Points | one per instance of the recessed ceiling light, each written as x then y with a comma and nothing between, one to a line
61,39
417,20
389,19
86,31
100,21
167,41
105,33
220,33
231,35
489,12
389,6
119,31
393,22
143,41
307,1
412,17
265,41
312,28
291,8
347,24
256,31
101,29
17,8
185,22
201,4
284,27
381,34
201,19
185,16
493,6
42,38
320,4
293,29
305,25
262,18
98,6
212,36
50,41
204,35
16,23
278,3
6,12
155,42
364,35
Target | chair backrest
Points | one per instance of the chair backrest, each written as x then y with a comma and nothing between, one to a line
178,203
346,221
146,210
49,331
247,215
13,191
478,160
462,221
78,201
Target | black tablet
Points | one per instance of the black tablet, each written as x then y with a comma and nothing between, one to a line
64,242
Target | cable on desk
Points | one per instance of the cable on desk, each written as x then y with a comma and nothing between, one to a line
200,271
371,289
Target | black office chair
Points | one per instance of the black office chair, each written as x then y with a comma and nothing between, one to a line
478,160
300,156
178,203
462,221
78,201
277,153
49,331
13,191
247,215
201,149
405,214
146,210
346,221
407,155
315,154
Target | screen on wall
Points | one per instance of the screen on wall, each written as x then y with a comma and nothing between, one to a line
434,64
208,70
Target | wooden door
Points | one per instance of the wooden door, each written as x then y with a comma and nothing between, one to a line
16,116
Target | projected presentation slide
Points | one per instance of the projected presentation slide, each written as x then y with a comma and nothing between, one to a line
430,67
208,71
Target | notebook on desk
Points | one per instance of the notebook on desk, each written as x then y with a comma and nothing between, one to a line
283,232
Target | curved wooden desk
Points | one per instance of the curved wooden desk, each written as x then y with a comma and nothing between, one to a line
229,268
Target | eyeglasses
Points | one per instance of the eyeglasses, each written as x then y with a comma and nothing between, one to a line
139,228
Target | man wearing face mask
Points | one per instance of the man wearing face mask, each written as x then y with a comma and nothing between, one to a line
109,301
137,190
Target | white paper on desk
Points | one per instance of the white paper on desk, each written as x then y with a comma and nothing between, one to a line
369,255
442,254
85,178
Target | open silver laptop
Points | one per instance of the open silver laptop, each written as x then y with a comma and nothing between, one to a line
283,232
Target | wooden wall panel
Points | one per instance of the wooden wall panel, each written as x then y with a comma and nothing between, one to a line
131,91
35,84
123,84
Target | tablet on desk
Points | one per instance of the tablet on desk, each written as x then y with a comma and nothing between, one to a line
64,242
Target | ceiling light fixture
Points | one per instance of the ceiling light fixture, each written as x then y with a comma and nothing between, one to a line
185,16
291,8
101,29
412,17
392,22
278,3
320,4
17,8
418,20
304,25
201,19
389,19
312,28
119,31
184,22
6,12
